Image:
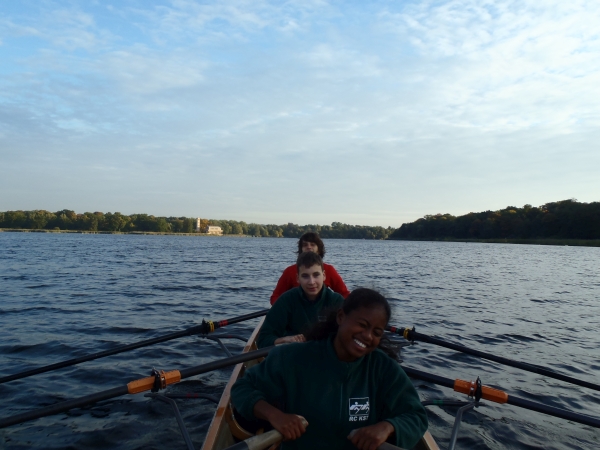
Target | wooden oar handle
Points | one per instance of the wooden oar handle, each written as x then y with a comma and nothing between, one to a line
261,441
384,446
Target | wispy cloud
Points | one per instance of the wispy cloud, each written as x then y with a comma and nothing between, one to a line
508,65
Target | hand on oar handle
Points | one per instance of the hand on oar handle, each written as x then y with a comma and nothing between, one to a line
373,437
290,339
262,441
291,426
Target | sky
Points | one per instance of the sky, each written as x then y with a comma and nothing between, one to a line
309,111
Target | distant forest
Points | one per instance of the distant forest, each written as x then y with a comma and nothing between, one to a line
567,219
117,222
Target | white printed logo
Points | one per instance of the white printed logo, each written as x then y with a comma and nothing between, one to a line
358,409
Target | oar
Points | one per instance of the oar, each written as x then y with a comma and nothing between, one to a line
498,396
411,335
384,446
203,328
162,379
261,441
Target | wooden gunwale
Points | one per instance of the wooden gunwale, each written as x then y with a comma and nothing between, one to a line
219,434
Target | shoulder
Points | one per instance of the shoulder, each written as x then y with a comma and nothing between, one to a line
333,296
329,268
290,270
331,274
290,295
294,351
288,299
378,359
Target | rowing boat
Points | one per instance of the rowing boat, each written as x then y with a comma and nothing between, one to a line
224,430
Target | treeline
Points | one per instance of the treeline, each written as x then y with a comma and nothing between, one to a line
117,222
567,219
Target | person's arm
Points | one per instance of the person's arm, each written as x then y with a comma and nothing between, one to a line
275,324
291,426
335,281
402,407
261,384
285,283
262,381
371,437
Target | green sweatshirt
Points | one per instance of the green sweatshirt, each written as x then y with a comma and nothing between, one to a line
335,397
293,314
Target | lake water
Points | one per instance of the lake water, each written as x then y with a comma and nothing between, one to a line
67,295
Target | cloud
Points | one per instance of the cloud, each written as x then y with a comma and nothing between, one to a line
507,65
141,72
420,106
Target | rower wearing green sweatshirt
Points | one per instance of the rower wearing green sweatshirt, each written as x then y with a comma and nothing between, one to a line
299,308
342,379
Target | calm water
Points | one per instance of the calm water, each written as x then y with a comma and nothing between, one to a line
66,295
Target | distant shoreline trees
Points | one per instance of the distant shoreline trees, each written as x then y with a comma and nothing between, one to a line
117,222
566,219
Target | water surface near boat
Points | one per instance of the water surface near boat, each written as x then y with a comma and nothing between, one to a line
66,295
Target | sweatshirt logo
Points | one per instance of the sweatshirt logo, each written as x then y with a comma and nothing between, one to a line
358,409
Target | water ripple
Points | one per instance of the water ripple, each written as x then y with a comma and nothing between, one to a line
66,295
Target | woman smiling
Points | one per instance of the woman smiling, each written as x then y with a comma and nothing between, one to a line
342,380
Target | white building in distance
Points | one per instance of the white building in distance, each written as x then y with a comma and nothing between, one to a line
210,229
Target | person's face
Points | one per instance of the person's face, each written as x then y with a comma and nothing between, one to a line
359,332
311,280
310,247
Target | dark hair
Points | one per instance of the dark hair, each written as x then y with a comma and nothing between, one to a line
358,298
315,239
308,259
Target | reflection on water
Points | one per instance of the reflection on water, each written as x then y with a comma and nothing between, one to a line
66,295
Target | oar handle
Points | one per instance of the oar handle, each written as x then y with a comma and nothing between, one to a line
261,441
384,446
258,442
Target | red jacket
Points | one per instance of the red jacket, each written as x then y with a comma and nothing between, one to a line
289,280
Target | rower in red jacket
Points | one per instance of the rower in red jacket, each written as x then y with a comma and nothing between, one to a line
309,242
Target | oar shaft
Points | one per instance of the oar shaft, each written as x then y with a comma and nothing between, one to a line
554,411
63,406
92,356
237,319
413,335
202,328
215,365
118,391
516,401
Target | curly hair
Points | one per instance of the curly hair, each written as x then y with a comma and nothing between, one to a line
315,239
358,298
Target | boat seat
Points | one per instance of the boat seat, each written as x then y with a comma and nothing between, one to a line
237,430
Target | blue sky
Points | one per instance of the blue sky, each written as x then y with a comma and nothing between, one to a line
372,113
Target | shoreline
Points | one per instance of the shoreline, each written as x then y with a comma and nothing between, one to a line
26,230
557,242
541,241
